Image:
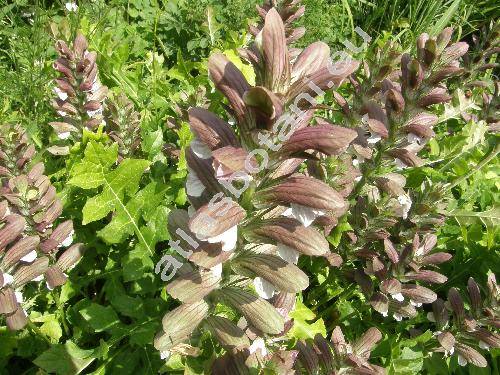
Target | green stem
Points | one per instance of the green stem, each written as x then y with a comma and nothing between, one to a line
60,310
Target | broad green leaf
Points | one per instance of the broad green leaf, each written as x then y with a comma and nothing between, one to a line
128,306
125,221
336,234
144,334
118,185
153,144
67,359
136,263
99,317
52,329
90,172
123,180
409,362
490,219
302,329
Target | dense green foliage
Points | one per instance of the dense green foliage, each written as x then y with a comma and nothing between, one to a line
119,188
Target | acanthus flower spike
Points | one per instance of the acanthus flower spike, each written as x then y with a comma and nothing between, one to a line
252,209
29,238
80,95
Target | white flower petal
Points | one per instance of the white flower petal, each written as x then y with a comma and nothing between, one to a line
483,345
384,314
373,138
48,286
228,238
62,113
68,240
165,355
258,344
405,202
462,361
60,94
306,215
397,317
413,138
19,297
194,186
200,149
217,270
63,135
97,112
356,162
264,288
191,211
287,253
30,257
71,7
398,297
95,86
7,279
38,278
399,164
416,304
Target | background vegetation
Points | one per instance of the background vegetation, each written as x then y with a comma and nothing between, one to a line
103,320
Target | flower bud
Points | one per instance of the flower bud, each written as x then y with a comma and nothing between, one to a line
63,50
471,355
212,131
20,249
306,191
453,52
26,273
70,257
328,139
290,232
58,236
427,276
365,344
395,101
436,96
418,293
55,277
213,220
16,321
447,340
80,45
11,230
380,303
456,304
8,301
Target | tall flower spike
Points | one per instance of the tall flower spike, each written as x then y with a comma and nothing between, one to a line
16,151
289,11
321,356
471,330
79,93
29,240
252,212
390,108
395,288
122,125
